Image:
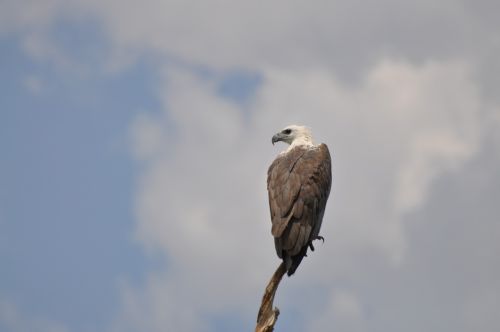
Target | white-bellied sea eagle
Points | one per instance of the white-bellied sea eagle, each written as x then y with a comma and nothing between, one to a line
298,183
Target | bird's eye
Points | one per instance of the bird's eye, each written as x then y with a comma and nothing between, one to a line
287,131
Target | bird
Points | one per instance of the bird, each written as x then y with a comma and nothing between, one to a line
298,184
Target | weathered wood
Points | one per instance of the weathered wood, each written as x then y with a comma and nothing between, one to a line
268,316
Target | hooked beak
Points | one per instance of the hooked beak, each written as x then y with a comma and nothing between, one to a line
276,138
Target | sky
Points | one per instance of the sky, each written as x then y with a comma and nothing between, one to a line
135,139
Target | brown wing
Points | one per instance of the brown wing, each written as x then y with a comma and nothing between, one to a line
283,185
298,184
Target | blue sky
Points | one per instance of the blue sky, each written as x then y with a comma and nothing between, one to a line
67,188
134,144
69,177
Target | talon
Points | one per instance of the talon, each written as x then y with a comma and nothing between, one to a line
319,237
311,246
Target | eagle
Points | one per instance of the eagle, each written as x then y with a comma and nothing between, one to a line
298,184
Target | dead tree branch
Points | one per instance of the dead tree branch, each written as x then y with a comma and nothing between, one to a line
268,316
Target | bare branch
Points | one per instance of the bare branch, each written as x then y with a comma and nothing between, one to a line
268,316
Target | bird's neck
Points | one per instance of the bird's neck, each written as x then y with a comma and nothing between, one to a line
305,141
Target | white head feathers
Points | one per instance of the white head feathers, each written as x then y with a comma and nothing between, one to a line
294,135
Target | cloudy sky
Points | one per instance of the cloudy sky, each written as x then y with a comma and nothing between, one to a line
135,139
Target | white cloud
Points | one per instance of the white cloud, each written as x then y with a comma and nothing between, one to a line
22,16
346,305
197,204
202,198
481,311
161,306
345,36
343,308
34,84
147,137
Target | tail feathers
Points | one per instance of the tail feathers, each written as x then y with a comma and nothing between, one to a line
293,262
288,263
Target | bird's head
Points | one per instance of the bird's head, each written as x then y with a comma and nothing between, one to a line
294,135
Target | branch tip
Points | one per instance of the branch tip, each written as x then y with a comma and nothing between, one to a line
268,316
